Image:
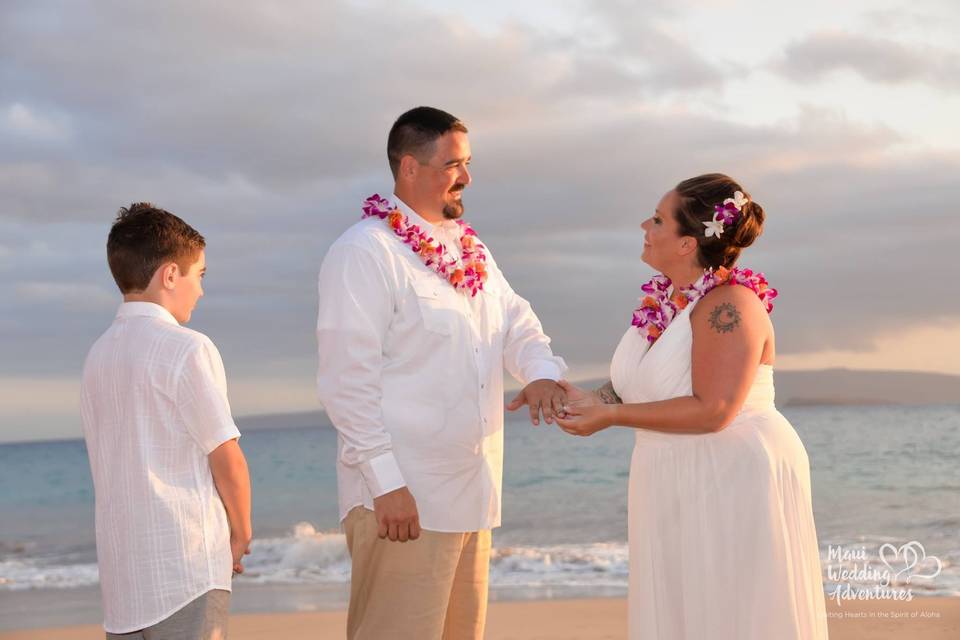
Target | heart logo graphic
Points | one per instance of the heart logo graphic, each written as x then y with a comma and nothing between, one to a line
908,556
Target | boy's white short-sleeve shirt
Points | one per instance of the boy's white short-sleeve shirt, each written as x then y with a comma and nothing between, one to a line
154,405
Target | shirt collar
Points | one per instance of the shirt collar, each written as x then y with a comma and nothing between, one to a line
149,309
417,219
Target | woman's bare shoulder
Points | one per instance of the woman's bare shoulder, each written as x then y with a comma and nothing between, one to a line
728,306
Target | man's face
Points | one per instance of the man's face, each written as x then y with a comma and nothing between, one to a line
187,289
441,180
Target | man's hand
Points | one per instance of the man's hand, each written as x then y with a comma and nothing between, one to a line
397,515
540,395
239,547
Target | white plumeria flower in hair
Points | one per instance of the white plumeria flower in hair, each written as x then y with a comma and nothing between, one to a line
738,200
713,228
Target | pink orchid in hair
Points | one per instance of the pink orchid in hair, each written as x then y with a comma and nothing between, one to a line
724,214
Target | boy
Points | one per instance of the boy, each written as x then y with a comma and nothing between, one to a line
171,483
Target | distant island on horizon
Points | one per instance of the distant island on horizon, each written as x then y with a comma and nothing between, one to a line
810,388
820,387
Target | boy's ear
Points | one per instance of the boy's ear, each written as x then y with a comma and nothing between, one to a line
168,273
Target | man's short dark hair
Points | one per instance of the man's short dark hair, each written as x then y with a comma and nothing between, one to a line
416,132
142,238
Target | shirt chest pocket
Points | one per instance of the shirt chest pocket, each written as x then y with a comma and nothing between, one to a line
438,305
493,309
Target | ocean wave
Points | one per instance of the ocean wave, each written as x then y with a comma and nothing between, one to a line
309,556
583,565
305,556
26,573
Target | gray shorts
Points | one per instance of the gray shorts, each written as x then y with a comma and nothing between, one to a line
202,619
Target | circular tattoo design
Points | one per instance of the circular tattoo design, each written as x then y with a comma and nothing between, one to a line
725,318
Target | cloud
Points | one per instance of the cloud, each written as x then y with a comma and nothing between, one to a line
266,128
876,59
641,40
21,120
283,97
72,296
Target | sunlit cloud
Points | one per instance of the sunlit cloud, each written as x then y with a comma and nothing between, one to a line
876,59
264,127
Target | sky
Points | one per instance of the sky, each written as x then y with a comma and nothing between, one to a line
264,126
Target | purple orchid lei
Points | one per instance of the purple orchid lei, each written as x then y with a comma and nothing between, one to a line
658,308
466,279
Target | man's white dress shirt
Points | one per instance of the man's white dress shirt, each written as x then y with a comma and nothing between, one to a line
411,374
154,405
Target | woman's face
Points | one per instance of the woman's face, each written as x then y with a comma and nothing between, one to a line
663,246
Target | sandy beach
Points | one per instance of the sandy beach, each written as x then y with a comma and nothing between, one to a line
583,619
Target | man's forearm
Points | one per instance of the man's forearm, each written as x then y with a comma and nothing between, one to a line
232,478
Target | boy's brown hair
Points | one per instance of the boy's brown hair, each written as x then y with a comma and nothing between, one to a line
142,238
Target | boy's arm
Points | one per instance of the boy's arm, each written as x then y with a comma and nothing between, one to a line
229,469
205,412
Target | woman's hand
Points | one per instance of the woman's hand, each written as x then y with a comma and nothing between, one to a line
586,420
577,397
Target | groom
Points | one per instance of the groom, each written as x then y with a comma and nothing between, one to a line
415,326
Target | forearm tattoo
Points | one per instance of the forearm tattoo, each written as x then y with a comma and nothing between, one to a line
725,318
608,395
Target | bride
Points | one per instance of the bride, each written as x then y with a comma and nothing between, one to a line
722,538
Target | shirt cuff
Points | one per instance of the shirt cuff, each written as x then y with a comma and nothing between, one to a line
382,474
226,434
544,370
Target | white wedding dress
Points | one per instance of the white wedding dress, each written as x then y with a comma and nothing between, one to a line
722,538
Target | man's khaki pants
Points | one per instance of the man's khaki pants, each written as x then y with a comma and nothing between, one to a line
431,588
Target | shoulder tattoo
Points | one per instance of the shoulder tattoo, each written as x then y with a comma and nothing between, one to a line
724,317
608,395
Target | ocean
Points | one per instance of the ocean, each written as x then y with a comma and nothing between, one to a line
885,480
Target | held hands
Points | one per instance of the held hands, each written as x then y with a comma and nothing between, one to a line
577,397
397,516
587,419
540,395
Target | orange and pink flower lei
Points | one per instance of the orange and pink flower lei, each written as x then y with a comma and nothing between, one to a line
468,278
658,307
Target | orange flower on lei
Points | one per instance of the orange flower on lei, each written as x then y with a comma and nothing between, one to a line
659,307
467,279
680,300
395,219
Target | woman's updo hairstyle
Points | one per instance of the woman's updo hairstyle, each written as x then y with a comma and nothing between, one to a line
698,196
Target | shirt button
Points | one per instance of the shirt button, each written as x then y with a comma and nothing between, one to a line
483,386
